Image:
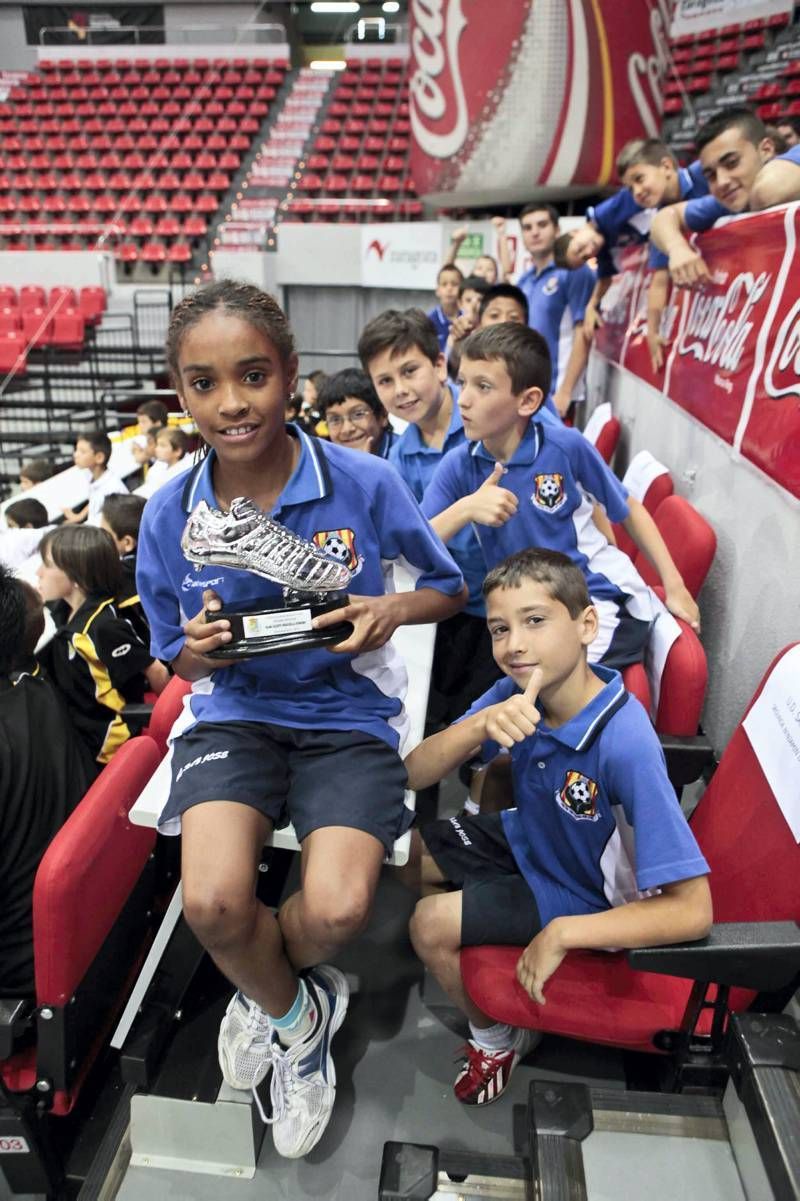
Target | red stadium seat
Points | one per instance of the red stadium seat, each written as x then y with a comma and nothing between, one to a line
13,352
92,303
69,330
597,996
690,540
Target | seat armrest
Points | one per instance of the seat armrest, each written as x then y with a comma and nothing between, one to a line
763,956
687,757
16,1014
137,712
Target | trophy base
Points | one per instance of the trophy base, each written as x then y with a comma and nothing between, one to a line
262,630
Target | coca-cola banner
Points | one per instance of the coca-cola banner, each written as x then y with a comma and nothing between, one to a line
694,16
522,95
732,349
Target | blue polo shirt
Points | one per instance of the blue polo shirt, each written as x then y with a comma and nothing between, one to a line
442,325
702,214
556,475
557,300
417,463
597,822
336,494
388,439
622,221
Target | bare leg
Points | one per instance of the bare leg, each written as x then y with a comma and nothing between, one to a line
222,842
436,935
421,873
495,787
340,873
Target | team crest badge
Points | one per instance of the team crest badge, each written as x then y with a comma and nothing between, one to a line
578,797
550,286
548,492
341,546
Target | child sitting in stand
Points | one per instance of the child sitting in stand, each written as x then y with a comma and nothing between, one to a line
92,453
560,871
96,660
121,518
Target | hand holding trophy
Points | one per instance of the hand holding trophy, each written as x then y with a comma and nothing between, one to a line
246,539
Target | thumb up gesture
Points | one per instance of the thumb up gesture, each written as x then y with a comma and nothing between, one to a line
491,504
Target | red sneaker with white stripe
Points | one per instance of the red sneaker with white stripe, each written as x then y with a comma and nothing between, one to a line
485,1074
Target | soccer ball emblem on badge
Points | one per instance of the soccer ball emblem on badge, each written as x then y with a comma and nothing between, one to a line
548,492
337,548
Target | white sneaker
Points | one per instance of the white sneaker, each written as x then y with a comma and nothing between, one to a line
245,1043
303,1087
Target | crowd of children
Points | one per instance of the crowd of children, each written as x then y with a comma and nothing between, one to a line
501,513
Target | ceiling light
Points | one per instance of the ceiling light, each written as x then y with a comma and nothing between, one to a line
335,6
327,64
391,6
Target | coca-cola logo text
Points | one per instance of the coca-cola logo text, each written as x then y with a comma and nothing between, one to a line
435,57
651,69
785,357
715,332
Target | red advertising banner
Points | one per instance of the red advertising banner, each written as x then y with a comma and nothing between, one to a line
733,348
530,93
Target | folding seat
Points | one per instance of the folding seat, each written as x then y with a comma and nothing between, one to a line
204,125
377,125
229,161
223,94
170,79
192,79
69,330
193,181
8,296
37,326
214,109
29,204
310,182
603,998
150,109
55,205
87,160
126,253
79,204
382,109
324,144
389,184
205,161
410,208
195,227
355,125
699,85
93,889
335,183
168,181
769,112
141,227
792,68
398,145
793,109
181,202
156,203
6,183
650,482
726,63
206,203
343,162
394,163
363,183
690,539
120,181
130,202
110,161
145,181
95,181
10,321
179,253
755,41
150,79
8,206
131,78
165,227
238,142
331,125
105,203
768,91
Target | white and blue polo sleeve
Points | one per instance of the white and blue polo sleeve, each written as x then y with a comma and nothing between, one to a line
580,285
634,769
406,535
702,213
595,477
498,692
157,534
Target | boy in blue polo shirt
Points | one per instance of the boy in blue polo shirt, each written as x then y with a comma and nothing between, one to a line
448,286
310,737
400,352
557,301
524,481
743,173
596,853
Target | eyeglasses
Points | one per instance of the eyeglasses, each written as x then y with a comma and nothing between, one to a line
335,421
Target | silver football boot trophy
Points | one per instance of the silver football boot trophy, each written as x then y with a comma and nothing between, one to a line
313,583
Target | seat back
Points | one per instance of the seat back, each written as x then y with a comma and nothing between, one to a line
684,679
690,540
166,711
750,847
650,482
602,430
88,872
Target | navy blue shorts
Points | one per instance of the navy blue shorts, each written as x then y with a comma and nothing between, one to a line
473,854
311,778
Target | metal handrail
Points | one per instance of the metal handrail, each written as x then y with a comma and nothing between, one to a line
276,32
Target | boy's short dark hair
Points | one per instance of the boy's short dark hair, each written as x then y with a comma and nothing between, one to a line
561,249
449,267
27,512
522,350
563,579
177,439
34,621
791,120
156,410
37,470
350,382
504,291
398,331
745,120
474,283
87,556
123,513
12,620
643,150
540,206
99,442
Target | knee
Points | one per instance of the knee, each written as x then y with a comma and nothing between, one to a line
428,933
332,920
218,916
